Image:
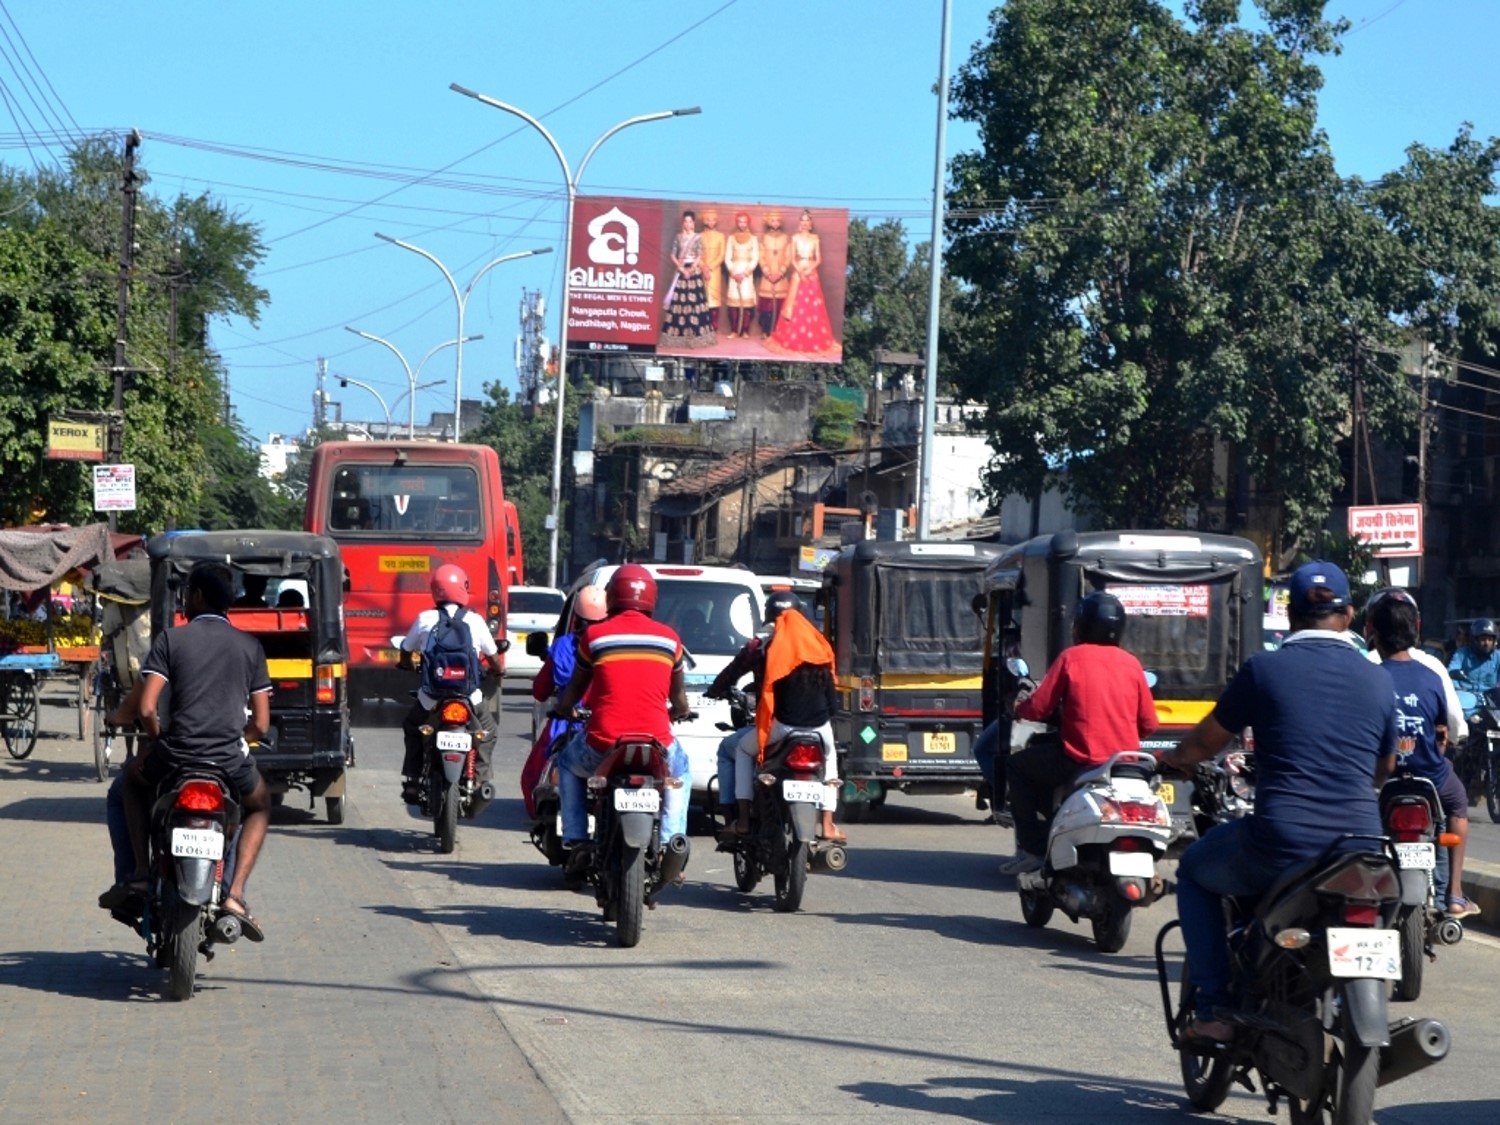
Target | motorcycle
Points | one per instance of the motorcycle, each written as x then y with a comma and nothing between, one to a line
449,782
626,859
1478,758
785,801
1412,816
193,824
1108,831
1310,962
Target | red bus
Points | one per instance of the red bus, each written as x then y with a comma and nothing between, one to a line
399,510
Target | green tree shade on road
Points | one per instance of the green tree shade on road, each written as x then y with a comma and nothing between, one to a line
1158,256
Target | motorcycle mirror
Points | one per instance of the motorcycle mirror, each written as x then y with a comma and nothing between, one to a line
396,641
1150,678
1018,667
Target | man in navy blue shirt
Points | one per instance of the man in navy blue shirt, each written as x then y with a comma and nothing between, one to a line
1325,737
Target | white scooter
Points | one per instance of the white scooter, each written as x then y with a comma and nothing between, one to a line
1109,830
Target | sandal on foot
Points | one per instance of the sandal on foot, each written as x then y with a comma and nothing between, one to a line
834,837
1460,907
248,925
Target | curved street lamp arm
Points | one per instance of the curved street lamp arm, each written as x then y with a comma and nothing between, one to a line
484,269
613,129
524,116
381,340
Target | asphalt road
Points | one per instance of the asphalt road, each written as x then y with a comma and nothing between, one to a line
906,988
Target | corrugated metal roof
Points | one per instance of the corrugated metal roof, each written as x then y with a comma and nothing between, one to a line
732,470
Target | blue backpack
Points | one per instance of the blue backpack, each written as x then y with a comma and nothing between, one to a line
450,666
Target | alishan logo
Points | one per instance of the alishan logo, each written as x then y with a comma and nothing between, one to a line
614,240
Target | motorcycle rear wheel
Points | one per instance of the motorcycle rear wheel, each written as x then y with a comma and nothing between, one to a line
791,880
447,820
183,939
1350,1077
1413,930
1205,1078
1036,908
1492,788
631,902
746,870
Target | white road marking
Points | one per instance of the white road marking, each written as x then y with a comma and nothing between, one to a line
1482,939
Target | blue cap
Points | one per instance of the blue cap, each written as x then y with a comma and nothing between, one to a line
1318,588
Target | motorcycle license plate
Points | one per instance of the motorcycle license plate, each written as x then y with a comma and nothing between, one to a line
811,791
453,740
1416,857
197,843
1364,953
1168,793
1132,865
637,800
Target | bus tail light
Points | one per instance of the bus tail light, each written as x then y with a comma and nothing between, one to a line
323,683
495,609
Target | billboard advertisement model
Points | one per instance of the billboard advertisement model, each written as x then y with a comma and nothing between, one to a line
716,280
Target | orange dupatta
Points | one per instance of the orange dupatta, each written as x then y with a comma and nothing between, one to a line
795,641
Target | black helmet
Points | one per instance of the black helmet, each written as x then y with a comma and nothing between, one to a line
779,602
1482,627
1100,618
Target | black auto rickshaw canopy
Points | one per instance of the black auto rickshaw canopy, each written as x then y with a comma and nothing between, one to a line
275,554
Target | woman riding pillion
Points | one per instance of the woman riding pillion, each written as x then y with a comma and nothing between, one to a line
589,606
450,596
796,692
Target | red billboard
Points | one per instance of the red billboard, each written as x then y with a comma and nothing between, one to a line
710,279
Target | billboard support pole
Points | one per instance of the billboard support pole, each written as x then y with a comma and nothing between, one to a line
929,390
570,179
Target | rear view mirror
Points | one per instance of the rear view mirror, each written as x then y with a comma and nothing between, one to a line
1150,678
1018,667
536,644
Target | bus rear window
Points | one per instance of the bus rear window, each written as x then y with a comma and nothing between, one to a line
418,499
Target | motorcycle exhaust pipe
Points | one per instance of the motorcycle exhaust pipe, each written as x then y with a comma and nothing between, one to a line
674,859
1076,901
227,929
1415,1045
1450,931
487,792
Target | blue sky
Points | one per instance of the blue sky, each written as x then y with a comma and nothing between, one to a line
330,109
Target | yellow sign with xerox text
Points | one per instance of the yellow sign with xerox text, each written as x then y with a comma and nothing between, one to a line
74,441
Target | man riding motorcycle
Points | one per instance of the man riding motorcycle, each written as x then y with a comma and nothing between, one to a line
1104,704
1478,661
632,669
802,696
450,596
1325,737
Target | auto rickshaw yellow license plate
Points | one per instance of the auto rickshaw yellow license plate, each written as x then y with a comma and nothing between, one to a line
940,742
1167,792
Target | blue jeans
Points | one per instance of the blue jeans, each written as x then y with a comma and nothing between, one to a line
577,761
1224,862
991,765
119,835
727,746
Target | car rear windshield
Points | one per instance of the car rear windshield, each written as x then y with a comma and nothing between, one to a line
540,603
712,618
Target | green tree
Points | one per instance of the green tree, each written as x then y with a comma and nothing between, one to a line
1158,256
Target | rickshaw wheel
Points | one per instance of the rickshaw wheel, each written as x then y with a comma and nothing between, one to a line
83,700
18,702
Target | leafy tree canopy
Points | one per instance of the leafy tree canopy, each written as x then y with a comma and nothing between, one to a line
1158,255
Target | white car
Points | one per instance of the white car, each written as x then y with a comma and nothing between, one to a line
529,609
715,610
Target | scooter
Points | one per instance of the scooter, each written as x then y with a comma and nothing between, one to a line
1478,759
1108,832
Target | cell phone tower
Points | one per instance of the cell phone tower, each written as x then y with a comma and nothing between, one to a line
532,347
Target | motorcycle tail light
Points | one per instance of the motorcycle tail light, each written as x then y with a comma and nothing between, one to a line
1361,914
1295,938
200,796
1363,881
867,693
1130,844
805,756
636,781
323,684
1413,818
1132,890
455,711
596,782
1116,811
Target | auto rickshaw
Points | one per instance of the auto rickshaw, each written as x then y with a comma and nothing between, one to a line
908,653
1195,612
297,615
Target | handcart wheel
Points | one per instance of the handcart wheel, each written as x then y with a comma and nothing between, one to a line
18,714
84,700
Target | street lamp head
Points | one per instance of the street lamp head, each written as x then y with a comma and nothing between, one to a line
688,112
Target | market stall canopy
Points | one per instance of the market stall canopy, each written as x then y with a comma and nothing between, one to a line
31,560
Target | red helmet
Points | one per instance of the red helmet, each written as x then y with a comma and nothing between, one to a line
631,587
450,584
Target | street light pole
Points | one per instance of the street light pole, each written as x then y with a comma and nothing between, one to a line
411,429
345,381
571,180
935,277
461,300
411,378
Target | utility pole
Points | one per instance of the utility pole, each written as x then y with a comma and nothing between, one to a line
116,442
